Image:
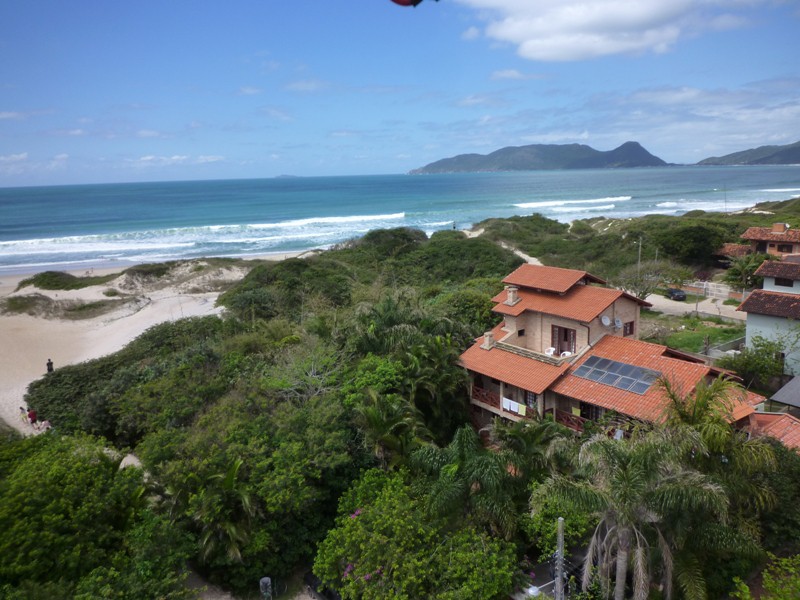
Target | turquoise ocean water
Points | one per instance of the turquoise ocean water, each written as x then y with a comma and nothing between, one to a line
71,227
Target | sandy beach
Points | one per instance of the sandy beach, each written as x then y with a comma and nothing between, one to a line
28,341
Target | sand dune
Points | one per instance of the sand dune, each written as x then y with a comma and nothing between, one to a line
26,341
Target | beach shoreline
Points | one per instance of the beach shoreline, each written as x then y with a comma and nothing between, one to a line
29,341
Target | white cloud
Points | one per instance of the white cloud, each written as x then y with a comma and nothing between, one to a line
149,133
160,161
570,30
276,113
14,158
11,115
249,91
512,74
472,33
209,159
306,85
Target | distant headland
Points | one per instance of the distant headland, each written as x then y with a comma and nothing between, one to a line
535,157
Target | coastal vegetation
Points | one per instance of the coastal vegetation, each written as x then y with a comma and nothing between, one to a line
322,424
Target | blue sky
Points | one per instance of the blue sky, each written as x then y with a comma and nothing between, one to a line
96,91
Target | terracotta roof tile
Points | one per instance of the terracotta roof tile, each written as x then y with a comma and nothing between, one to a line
779,268
650,405
781,426
522,372
772,304
582,303
766,234
733,250
551,279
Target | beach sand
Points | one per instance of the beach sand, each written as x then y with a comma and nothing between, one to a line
27,342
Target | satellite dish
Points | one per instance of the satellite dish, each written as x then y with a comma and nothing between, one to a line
618,323
605,320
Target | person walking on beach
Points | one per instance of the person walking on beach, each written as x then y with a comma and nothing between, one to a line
23,415
32,417
49,365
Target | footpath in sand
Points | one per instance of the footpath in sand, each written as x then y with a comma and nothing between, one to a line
27,341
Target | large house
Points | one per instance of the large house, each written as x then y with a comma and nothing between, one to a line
773,312
569,348
778,240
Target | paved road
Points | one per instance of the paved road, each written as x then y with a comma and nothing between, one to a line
710,306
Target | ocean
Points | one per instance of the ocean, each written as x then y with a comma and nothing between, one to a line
83,226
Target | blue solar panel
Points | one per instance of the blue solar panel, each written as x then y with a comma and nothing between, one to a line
617,374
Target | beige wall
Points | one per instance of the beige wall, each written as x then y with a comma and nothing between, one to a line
538,327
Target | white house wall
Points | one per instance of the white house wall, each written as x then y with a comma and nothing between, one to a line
777,329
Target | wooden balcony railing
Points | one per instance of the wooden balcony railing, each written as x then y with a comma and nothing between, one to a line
568,419
486,397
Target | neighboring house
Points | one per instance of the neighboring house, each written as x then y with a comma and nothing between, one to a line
569,348
778,240
773,312
781,426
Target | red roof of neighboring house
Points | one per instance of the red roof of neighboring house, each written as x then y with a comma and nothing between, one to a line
779,268
551,279
648,406
582,303
520,371
765,234
733,250
772,304
781,426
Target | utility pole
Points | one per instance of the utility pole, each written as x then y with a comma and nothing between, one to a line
560,561
639,262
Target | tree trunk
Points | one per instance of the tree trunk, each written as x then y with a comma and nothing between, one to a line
622,565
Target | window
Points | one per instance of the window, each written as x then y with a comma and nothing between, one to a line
530,399
785,247
627,329
783,282
591,412
520,332
563,339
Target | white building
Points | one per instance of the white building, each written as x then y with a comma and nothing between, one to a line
774,311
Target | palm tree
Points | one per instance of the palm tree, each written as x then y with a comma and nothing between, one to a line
222,509
470,480
732,459
742,269
433,381
536,446
634,486
392,427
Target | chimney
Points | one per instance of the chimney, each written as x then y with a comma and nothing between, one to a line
780,227
488,341
511,295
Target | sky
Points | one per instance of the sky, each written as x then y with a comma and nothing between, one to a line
94,91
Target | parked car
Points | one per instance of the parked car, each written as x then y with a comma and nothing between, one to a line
315,588
676,294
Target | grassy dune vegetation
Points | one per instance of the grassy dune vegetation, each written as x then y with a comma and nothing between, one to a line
323,423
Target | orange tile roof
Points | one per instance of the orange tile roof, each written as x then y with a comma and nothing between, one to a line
582,303
781,426
520,371
772,304
779,268
650,405
551,279
766,234
733,250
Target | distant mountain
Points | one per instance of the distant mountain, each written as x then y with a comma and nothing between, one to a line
545,156
763,155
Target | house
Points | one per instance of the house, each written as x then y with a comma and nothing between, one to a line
773,312
778,240
569,348
781,426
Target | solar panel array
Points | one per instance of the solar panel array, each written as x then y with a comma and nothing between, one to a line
617,374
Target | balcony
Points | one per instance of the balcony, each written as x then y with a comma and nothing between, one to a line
574,422
486,397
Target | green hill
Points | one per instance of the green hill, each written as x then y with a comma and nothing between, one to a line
545,156
763,155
